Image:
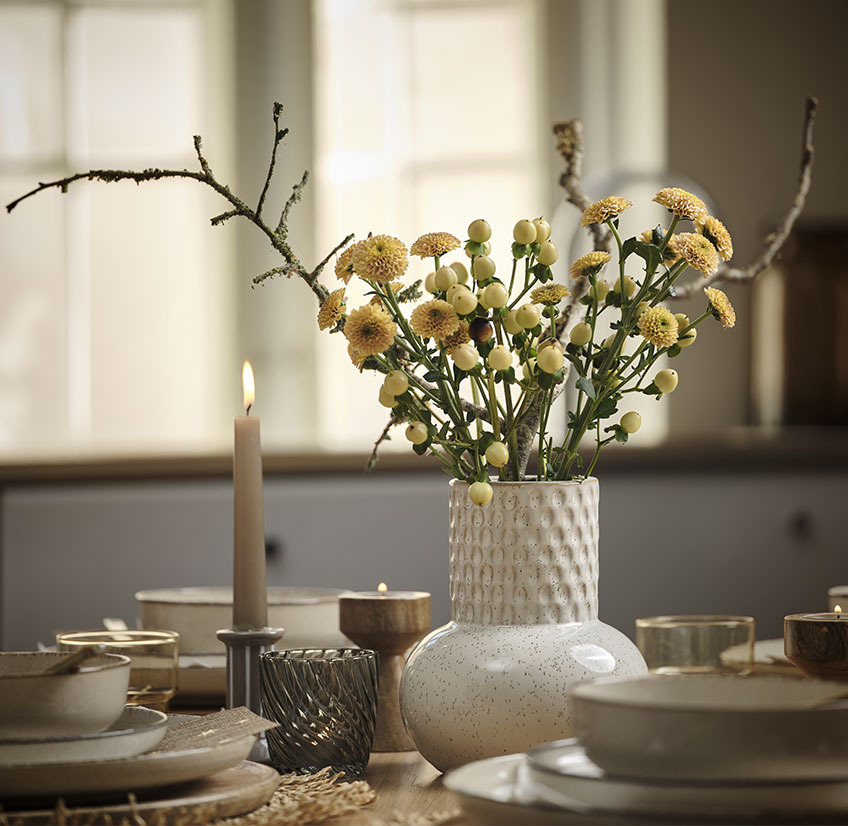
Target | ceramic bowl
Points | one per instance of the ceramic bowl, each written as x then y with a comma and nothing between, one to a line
84,701
309,615
713,727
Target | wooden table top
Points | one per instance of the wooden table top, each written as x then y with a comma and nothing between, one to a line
404,782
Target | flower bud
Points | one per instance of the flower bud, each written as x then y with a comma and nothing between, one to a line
640,308
631,422
387,399
682,321
396,382
551,359
483,268
464,301
465,356
528,315
451,291
601,289
511,325
417,433
528,369
430,283
461,272
581,334
496,295
543,230
479,231
500,358
524,232
480,330
480,493
688,338
629,286
497,454
666,380
445,278
548,253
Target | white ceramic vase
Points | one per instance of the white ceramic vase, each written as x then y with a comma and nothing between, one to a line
524,625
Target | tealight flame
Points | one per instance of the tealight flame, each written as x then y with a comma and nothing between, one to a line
248,385
382,587
837,609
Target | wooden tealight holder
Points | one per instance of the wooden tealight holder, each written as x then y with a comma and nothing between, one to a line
818,644
389,623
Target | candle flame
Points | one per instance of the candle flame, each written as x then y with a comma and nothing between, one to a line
248,385
837,609
382,587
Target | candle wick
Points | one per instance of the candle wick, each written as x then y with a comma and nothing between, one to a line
247,411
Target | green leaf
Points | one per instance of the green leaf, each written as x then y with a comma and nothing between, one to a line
650,253
607,408
470,416
586,386
628,247
674,350
521,250
474,248
651,390
422,448
433,375
620,436
484,441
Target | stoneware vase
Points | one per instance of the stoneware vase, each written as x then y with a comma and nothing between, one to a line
524,625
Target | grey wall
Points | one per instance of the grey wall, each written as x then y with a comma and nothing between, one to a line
671,542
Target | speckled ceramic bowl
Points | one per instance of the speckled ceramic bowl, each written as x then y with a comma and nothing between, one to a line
84,701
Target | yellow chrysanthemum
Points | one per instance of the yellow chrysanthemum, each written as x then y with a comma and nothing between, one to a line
597,258
670,253
598,212
434,319
697,252
434,243
370,330
332,309
344,264
721,306
380,258
681,203
451,342
716,233
356,357
659,326
549,294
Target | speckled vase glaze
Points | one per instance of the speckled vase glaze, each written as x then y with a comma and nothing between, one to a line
524,625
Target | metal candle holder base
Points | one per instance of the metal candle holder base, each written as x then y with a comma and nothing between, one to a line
243,650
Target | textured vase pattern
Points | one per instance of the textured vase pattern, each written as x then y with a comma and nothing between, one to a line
529,557
326,703
524,625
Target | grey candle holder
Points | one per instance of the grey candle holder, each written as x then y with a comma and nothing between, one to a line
243,650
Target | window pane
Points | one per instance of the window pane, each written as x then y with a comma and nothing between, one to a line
30,82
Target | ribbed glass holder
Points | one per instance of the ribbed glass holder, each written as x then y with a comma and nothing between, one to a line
325,700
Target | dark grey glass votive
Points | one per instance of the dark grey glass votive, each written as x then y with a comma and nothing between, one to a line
325,700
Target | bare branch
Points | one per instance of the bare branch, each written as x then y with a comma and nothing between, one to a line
297,192
279,134
224,216
384,436
326,260
288,271
775,240
569,137
198,148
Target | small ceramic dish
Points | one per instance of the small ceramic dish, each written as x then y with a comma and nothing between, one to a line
309,615
82,702
714,727
136,731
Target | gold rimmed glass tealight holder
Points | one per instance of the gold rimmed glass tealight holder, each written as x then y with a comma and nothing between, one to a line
697,644
153,655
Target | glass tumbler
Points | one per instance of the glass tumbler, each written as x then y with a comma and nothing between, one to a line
325,700
154,656
697,644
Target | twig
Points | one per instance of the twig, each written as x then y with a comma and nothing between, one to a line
775,240
279,134
384,436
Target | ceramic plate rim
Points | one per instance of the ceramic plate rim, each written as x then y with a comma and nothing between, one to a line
150,719
104,662
584,693
275,595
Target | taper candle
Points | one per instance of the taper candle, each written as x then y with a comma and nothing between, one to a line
250,599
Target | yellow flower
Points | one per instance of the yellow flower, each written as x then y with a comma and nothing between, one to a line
434,319
332,309
344,265
697,252
355,356
659,326
549,294
434,243
598,212
451,342
721,307
588,261
681,203
380,258
370,330
716,233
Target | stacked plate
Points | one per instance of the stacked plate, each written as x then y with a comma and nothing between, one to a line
682,750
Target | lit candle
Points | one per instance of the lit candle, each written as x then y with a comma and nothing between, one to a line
390,623
250,600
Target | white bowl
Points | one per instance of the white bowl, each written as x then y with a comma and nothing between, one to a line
309,615
713,727
84,701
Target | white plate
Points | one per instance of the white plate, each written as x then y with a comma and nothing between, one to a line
145,771
769,657
560,773
202,676
137,730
